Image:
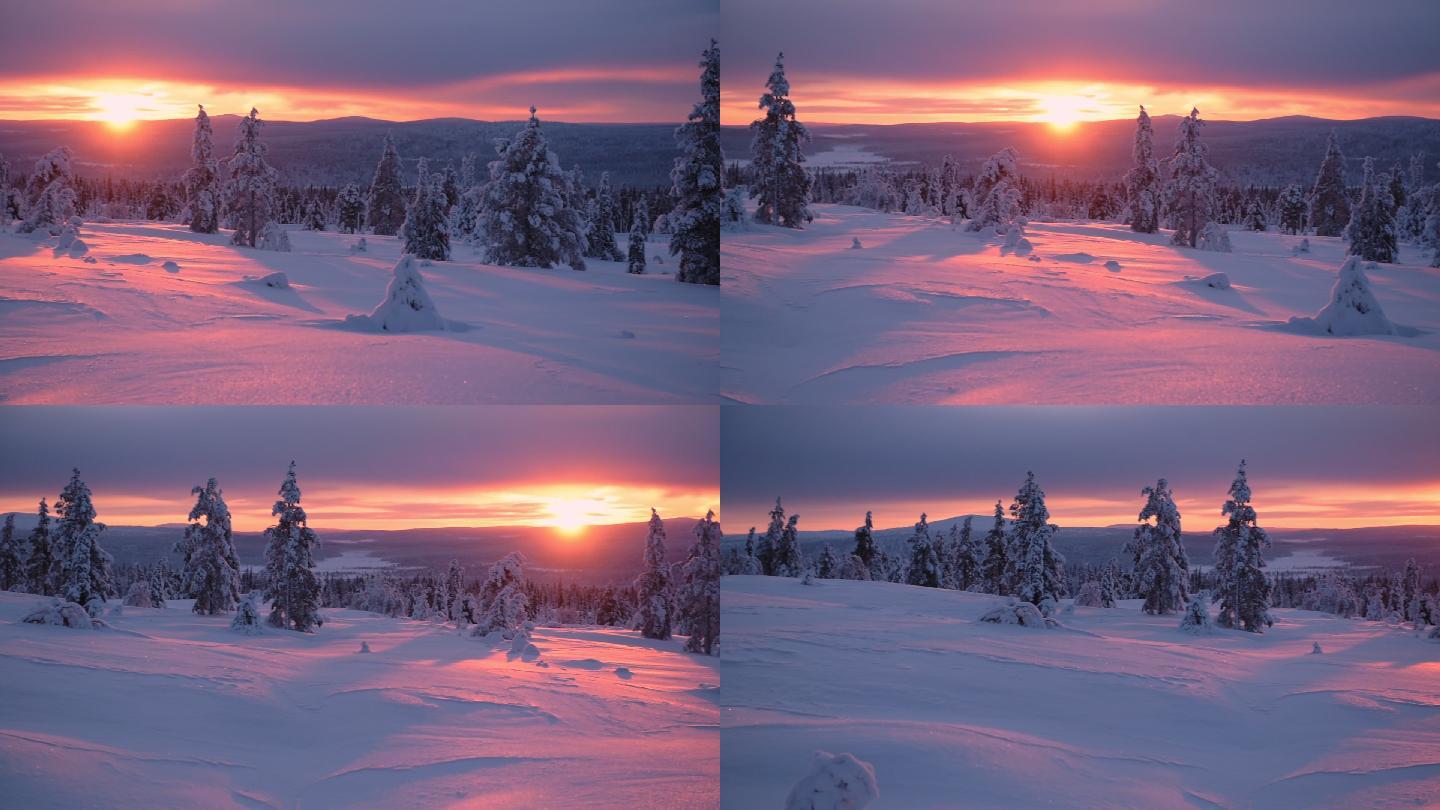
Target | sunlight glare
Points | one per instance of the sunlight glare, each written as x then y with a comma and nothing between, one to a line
1062,113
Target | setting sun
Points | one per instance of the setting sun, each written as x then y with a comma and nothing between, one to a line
119,111
1062,112
571,516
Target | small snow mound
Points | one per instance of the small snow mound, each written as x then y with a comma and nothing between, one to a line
1075,258
1303,247
247,616
1213,237
624,673
1113,266
1015,241
78,248
67,237
1033,258
406,308
139,594
277,280
1315,650
627,334
1353,309
364,646
274,237
62,614
835,782
1014,611
359,246
132,258
1219,281
1196,620
855,243
171,266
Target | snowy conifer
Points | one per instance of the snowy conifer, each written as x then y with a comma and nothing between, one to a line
1292,208
12,567
247,616
1353,308
202,180
83,574
160,581
653,589
781,185
995,197
1329,205
1162,570
639,230
42,555
1372,224
994,573
1142,182
924,565
1038,570
1242,590
50,194
291,586
602,224
969,558
695,182
1111,590
749,563
827,565
506,605
467,209
250,184
1255,217
406,307
788,560
1196,620
527,218
1190,184
386,210
314,217
426,231
699,597
454,579
350,209
769,543
864,541
211,573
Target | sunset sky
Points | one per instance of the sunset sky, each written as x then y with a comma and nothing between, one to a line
372,468
578,60
856,61
1310,467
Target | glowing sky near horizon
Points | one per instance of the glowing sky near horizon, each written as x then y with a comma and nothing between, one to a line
1310,467
373,468
577,60
850,61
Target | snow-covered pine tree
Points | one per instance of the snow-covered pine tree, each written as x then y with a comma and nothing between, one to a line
969,554
454,579
995,197
211,572
247,615
700,588
467,208
924,568
949,187
42,554
827,565
506,605
749,563
1196,620
12,567
639,230
1162,571
50,194
865,542
695,181
202,180
250,187
1255,217
1038,568
1111,588
1142,182
653,589
994,572
84,575
1329,204
350,209
602,224
449,185
770,543
1190,183
1372,225
426,231
527,218
780,183
1242,590
387,193
291,586
1292,207
789,562
314,217
160,583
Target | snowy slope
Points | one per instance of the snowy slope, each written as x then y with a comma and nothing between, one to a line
170,709
127,329
924,313
1119,709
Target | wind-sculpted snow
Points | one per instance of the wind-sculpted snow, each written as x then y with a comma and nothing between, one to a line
930,313
1114,708
171,316
169,709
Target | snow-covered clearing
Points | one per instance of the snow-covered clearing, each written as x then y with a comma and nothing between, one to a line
163,315
170,709
1115,709
1092,314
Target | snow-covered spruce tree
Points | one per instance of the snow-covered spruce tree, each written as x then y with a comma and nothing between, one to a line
924,567
780,185
766,549
247,616
350,209
1111,588
527,218
1162,570
1372,225
426,231
314,217
291,586
1255,217
788,560
454,580
653,590
12,567
949,187
42,555
386,211
211,572
161,580
406,307
1353,307
864,541
995,571
506,605
1242,590
202,180
50,194
602,224
1291,206
1190,183
1329,205
699,596
1038,569
84,574
827,565
639,230
467,208
250,187
1196,620
749,563
969,558
695,182
995,197
449,185
1142,182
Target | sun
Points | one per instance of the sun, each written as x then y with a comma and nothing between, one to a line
1062,113
119,111
570,516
